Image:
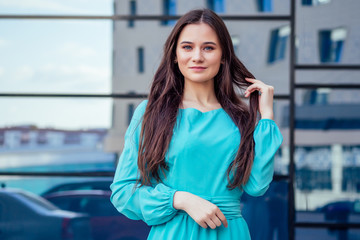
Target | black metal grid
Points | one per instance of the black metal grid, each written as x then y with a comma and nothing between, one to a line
292,224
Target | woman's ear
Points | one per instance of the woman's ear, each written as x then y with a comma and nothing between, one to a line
175,60
222,61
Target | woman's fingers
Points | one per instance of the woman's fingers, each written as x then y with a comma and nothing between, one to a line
222,218
216,221
202,211
210,223
203,224
254,87
265,98
250,80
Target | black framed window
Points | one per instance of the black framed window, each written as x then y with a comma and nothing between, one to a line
331,44
314,2
217,6
265,5
169,9
131,23
278,41
141,60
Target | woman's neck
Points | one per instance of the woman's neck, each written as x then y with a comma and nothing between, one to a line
199,95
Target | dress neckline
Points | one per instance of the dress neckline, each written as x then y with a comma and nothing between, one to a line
197,110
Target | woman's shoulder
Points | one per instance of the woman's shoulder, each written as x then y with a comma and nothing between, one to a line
140,109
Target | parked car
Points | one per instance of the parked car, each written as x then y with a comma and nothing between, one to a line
85,185
340,210
24,215
106,222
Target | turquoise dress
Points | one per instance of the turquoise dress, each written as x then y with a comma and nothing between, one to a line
201,149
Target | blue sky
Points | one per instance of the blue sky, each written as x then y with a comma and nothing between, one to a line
56,56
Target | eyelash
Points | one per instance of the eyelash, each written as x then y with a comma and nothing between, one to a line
207,48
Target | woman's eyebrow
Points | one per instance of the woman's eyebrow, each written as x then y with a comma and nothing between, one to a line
212,43
188,42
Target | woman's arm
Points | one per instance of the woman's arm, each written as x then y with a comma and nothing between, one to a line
267,139
153,205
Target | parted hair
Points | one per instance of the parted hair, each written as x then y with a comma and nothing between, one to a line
165,98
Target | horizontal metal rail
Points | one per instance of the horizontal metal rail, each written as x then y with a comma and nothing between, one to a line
59,174
327,85
114,95
142,17
87,174
345,225
327,66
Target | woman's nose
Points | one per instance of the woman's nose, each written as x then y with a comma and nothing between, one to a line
198,56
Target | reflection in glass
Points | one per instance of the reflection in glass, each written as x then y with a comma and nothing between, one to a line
269,211
278,41
327,160
50,56
331,44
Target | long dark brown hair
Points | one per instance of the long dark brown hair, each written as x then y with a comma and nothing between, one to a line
166,95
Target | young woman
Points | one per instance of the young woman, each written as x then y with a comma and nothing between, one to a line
183,168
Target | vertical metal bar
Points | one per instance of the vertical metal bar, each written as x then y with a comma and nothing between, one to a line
291,197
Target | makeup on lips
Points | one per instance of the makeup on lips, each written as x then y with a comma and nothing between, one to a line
197,68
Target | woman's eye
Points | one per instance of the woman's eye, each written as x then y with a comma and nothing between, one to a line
187,47
208,48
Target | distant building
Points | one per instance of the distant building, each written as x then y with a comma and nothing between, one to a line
30,137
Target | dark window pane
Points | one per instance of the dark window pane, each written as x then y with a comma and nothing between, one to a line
131,23
217,6
269,211
331,44
278,42
265,5
141,63
169,8
314,2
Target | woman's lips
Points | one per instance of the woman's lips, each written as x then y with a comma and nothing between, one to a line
198,68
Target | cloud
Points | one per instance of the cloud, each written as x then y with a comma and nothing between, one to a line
41,5
93,73
76,50
23,73
3,42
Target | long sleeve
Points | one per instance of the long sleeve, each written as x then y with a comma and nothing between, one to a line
267,139
153,205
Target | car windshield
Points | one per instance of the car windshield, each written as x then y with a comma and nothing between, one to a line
34,199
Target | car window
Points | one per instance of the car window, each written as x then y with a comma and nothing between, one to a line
63,203
99,207
33,199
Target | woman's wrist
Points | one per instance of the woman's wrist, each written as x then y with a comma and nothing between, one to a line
178,200
269,115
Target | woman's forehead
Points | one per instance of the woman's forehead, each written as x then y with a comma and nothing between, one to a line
198,32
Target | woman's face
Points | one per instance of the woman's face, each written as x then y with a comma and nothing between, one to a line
198,53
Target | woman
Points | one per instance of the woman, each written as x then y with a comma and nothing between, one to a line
183,168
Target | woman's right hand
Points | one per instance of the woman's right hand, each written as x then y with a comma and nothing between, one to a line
202,211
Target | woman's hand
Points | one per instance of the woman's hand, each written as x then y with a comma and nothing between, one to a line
202,211
266,97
